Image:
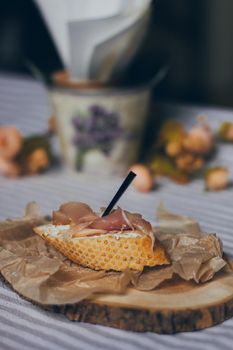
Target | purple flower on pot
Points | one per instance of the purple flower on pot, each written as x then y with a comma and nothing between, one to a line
98,129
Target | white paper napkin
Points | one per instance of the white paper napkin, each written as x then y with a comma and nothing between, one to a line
80,27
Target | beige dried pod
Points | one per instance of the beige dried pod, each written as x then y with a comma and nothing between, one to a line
216,178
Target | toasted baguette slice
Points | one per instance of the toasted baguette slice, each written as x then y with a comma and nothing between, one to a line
107,251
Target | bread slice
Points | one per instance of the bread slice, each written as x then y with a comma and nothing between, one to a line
119,251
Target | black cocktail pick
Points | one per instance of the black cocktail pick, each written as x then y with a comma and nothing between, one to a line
125,184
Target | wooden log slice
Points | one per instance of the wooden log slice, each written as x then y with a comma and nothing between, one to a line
174,307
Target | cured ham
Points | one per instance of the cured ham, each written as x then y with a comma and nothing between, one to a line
73,212
82,218
115,221
138,223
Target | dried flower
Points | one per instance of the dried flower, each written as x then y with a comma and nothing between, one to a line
216,178
174,148
37,161
9,168
200,139
144,181
226,132
36,154
189,163
163,166
171,131
10,142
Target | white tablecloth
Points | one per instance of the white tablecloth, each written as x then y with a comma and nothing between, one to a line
23,102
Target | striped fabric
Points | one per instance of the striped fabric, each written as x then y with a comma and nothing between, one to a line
24,103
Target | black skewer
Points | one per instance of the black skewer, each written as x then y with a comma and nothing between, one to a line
125,184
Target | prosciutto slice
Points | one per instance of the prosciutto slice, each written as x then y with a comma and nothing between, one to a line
138,223
73,213
80,216
115,221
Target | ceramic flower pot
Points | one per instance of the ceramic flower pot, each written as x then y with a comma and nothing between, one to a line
100,127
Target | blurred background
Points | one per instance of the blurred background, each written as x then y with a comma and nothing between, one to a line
194,38
93,45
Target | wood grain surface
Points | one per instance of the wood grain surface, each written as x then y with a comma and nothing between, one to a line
176,306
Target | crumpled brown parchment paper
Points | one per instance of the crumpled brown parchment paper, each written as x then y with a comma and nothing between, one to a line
40,273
